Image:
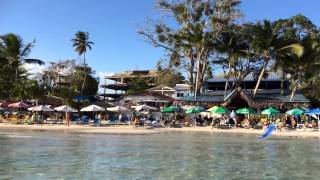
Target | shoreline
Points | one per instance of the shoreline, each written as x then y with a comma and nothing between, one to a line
142,131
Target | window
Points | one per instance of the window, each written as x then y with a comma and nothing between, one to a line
180,94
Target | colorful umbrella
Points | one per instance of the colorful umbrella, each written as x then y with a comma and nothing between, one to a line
295,111
270,111
217,110
19,105
195,109
170,109
244,111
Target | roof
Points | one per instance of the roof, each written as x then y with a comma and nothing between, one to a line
182,87
132,74
272,76
262,96
161,88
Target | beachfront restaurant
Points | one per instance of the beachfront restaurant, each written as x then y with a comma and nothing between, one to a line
269,94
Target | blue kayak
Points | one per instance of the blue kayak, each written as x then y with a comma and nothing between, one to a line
268,131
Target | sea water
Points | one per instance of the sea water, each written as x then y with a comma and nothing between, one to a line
62,155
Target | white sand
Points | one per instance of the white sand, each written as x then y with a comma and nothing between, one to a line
142,130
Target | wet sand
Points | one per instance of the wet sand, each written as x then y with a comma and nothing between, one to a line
125,129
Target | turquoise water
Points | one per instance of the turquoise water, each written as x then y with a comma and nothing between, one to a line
58,155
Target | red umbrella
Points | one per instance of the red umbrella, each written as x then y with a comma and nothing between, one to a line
4,105
19,105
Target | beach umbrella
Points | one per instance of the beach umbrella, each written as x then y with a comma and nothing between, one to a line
118,109
316,112
217,110
4,105
295,111
144,107
92,108
244,111
270,111
170,109
19,105
65,108
40,108
194,109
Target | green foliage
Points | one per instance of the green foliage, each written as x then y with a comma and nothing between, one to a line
138,85
169,77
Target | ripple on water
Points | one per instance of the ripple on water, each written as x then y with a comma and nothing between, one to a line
42,155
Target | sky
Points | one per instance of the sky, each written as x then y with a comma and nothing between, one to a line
113,26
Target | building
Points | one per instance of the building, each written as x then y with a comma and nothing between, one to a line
121,82
270,94
180,90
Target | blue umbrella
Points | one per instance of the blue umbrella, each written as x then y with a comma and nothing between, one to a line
315,111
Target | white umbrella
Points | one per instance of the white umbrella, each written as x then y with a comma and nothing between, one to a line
144,107
65,108
40,108
118,109
92,108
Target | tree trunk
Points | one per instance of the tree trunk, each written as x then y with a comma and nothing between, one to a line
293,92
282,83
85,72
259,81
197,80
227,80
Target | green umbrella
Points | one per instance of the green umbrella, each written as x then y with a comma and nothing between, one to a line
244,111
217,110
270,111
295,111
170,109
196,109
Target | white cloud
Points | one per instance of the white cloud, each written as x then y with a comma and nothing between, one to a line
102,75
34,69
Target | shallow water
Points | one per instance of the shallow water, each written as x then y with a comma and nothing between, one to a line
58,155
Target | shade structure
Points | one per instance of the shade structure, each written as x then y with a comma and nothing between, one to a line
19,105
144,107
170,109
40,108
245,111
194,109
92,108
217,110
118,109
270,111
315,111
4,105
295,111
65,108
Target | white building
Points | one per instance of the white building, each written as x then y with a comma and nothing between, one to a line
180,90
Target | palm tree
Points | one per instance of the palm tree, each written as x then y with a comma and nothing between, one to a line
15,52
306,66
232,45
267,44
81,43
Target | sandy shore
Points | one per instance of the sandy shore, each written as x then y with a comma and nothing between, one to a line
142,130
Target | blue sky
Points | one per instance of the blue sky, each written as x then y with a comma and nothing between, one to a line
113,26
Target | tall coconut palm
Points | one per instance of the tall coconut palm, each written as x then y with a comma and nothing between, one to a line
232,45
15,51
81,43
306,66
267,44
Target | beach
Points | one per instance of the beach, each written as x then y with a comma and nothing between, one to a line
300,133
